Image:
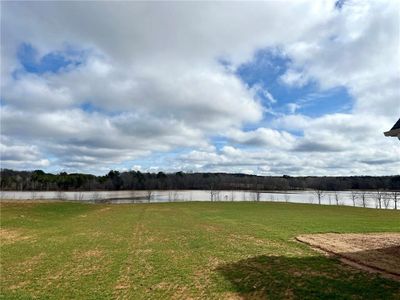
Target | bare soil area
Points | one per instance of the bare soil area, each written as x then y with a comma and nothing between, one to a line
371,251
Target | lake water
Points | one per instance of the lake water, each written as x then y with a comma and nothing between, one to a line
120,197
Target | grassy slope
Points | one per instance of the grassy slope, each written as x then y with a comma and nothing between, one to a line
182,250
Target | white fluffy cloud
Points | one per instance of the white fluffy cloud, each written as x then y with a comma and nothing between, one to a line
150,80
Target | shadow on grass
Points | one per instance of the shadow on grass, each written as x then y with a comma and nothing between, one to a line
315,277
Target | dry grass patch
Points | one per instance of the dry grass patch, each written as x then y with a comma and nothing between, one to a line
11,236
378,251
91,253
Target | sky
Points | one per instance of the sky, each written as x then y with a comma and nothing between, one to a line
267,88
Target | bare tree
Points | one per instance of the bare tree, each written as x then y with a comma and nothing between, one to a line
176,196
354,196
337,199
149,195
60,195
286,196
378,199
95,196
320,194
252,196
395,196
170,196
386,200
78,196
258,195
214,195
362,195
217,193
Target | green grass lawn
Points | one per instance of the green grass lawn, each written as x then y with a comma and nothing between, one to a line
182,251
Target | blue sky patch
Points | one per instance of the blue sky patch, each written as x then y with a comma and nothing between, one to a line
53,61
88,107
265,71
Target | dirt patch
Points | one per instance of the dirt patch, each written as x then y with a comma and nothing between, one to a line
11,236
373,251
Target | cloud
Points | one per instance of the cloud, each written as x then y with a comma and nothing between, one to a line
292,107
294,78
21,156
358,49
262,137
130,80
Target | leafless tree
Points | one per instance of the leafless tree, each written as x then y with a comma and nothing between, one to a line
395,196
386,200
176,196
354,196
60,195
78,196
95,196
217,195
149,194
337,199
214,195
170,196
378,199
133,194
286,196
362,195
258,196
320,194
252,196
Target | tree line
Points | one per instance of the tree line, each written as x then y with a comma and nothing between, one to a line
39,180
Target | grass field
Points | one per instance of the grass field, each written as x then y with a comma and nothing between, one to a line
182,251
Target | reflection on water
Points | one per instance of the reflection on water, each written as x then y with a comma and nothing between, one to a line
361,199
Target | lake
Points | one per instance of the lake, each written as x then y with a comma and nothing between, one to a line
134,196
